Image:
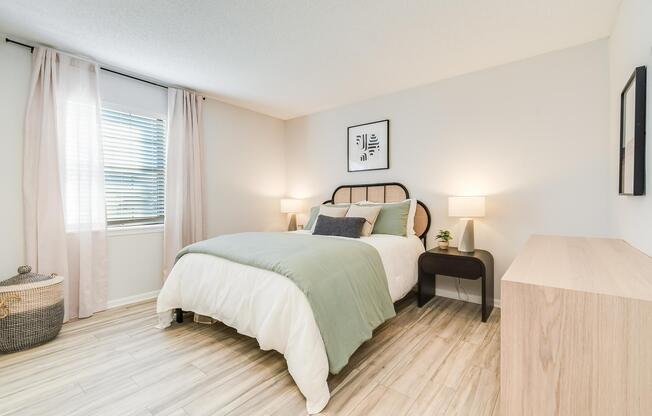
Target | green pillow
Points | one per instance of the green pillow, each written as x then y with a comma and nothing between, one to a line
314,212
392,219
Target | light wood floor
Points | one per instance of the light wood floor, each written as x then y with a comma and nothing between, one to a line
435,360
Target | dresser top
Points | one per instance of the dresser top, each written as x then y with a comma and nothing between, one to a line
596,265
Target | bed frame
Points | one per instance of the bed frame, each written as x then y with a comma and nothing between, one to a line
373,192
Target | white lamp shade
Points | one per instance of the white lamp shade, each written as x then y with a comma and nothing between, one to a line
289,205
466,206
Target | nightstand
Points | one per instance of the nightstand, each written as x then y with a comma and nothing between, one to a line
452,262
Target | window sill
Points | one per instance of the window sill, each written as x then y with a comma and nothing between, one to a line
134,230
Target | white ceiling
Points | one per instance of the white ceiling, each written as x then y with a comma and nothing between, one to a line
288,58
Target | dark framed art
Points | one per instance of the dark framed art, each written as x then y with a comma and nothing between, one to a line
368,146
632,134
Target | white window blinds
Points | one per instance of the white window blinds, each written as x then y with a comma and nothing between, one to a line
134,168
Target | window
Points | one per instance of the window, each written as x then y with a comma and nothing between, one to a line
134,168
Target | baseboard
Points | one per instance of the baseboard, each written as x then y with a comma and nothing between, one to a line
128,300
452,294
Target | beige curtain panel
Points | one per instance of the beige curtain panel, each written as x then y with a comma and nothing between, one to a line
63,179
183,182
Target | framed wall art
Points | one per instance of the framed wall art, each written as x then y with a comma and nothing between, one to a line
368,146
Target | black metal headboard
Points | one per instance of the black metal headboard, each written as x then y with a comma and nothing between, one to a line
383,192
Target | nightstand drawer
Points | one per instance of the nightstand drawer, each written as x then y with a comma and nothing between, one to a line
451,266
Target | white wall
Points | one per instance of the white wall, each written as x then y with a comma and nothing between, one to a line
630,46
244,170
14,84
243,159
531,135
134,265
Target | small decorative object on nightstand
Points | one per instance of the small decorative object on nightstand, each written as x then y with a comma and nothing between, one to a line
443,237
466,207
452,262
291,206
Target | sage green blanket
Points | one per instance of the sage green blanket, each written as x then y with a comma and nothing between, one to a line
343,279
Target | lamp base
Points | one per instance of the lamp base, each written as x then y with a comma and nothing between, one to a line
292,226
467,239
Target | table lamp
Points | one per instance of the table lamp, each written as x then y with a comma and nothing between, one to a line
466,207
291,206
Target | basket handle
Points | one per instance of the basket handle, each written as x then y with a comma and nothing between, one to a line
4,307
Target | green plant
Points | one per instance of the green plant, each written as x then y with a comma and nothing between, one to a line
444,235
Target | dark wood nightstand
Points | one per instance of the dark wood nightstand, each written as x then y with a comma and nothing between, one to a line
452,262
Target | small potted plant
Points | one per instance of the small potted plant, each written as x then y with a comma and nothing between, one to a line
443,237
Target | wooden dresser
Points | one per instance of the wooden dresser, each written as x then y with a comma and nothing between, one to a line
576,329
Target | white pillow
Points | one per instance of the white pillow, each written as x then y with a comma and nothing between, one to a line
368,213
331,211
411,214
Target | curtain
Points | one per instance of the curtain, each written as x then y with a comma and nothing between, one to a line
183,182
63,179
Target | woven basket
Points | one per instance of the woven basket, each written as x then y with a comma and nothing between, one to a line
31,310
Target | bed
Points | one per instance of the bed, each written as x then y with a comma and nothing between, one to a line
268,306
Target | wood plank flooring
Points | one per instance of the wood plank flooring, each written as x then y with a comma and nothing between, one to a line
435,360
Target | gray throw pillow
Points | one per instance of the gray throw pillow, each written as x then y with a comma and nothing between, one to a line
342,226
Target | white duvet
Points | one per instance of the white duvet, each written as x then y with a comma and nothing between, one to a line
270,307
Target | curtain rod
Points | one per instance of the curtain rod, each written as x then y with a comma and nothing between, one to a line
31,49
